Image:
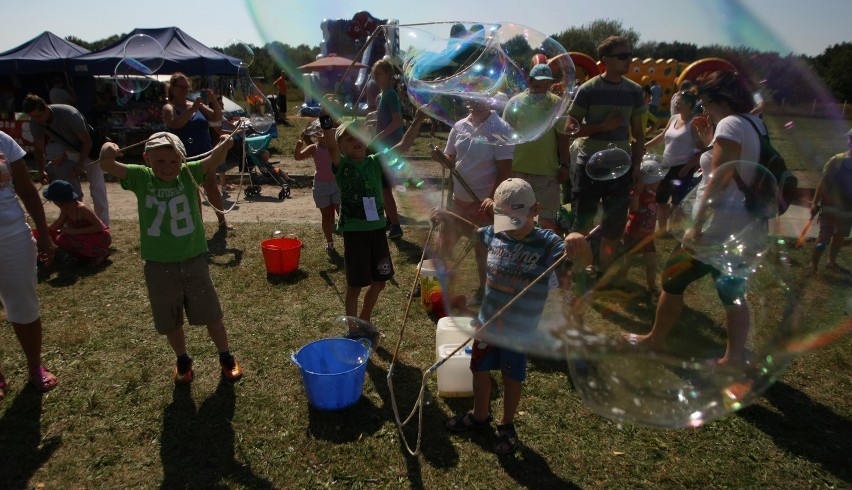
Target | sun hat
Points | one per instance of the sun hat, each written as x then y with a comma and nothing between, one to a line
60,191
541,72
162,139
513,200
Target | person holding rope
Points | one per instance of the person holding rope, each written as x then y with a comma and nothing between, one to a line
478,168
366,255
65,125
191,121
513,235
171,235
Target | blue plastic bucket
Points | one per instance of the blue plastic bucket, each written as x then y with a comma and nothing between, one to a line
333,371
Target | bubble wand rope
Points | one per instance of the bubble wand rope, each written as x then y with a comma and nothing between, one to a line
98,161
200,187
418,405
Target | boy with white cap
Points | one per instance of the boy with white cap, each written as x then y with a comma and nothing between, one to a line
518,253
642,223
172,242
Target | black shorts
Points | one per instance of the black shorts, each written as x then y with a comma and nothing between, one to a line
366,257
682,269
674,187
588,193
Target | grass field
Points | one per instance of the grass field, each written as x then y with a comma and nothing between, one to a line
117,421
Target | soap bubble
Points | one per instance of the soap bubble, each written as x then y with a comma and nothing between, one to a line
608,164
724,220
142,57
486,67
677,384
258,108
242,55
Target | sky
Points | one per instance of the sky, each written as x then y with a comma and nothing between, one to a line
801,27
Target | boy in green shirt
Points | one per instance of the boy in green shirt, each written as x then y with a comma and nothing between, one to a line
171,235
366,256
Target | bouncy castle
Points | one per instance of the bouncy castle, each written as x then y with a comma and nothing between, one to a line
669,74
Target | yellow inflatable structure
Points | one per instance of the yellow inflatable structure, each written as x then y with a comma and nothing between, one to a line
669,74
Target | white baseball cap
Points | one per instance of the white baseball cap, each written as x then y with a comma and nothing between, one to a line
161,139
513,200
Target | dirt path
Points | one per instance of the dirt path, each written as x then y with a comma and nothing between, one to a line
298,208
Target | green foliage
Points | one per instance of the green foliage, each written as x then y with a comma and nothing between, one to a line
96,45
586,38
833,66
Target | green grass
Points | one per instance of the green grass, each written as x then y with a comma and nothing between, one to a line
117,421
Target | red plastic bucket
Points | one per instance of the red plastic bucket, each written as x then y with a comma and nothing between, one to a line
281,255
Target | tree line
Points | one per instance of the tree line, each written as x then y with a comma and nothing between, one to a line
786,79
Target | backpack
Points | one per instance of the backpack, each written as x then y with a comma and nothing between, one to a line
787,183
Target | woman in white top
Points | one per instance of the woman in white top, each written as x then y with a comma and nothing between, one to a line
727,101
681,153
18,254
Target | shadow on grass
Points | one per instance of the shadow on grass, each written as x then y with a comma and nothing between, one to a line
805,428
217,246
66,270
435,445
197,446
22,450
292,278
409,251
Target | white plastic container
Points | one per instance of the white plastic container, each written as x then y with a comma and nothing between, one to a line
455,380
448,331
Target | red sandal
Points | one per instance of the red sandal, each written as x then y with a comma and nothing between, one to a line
45,381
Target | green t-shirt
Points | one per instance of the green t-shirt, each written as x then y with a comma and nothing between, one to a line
523,113
361,205
170,227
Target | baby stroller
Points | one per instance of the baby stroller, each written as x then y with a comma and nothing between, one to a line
261,172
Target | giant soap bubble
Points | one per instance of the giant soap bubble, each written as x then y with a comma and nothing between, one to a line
676,381
449,66
243,90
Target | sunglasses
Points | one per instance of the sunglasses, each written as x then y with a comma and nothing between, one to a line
622,56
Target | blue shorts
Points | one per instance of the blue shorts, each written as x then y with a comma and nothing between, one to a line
488,357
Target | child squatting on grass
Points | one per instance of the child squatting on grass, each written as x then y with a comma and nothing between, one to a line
173,245
77,230
518,253
366,255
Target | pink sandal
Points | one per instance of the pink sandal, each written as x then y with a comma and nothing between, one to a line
4,387
46,380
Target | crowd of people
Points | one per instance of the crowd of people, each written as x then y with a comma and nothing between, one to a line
505,199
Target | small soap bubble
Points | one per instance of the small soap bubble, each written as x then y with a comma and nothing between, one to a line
608,164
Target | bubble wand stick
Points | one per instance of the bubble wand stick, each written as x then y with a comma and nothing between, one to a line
801,239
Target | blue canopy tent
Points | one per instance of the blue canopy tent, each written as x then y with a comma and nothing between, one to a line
182,53
44,53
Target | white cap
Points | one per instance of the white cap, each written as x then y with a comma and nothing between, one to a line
513,200
161,139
